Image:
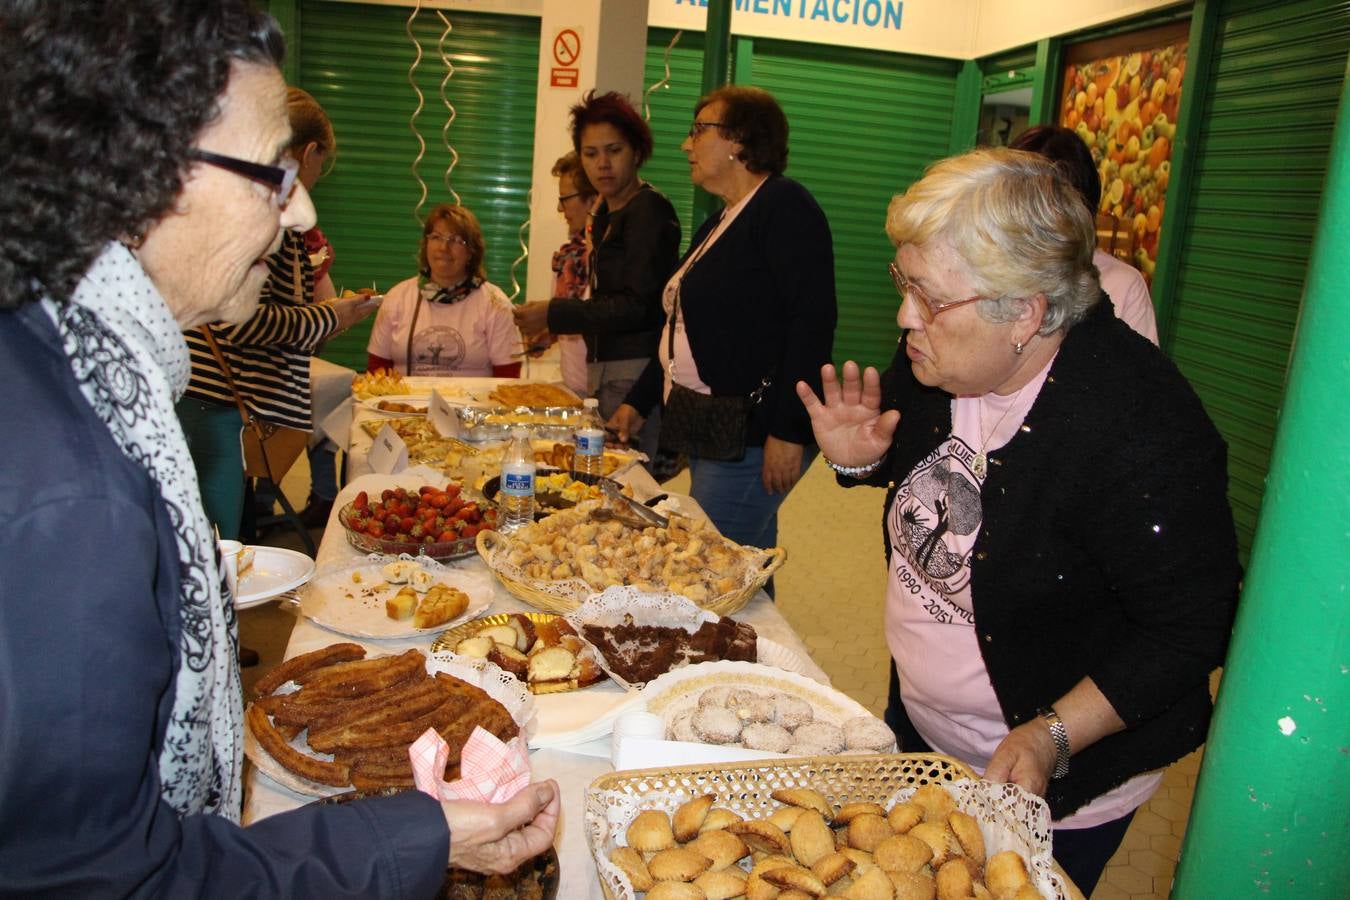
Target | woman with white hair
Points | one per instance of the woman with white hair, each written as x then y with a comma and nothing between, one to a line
1061,554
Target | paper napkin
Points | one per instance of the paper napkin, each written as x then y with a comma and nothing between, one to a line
490,771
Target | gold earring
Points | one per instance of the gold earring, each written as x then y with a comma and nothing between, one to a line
1018,349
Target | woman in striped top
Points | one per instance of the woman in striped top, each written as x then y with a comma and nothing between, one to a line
268,355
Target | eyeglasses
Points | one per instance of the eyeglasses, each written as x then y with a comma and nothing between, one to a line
699,127
447,239
928,307
281,178
563,198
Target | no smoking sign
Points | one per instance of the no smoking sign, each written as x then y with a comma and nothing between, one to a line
566,51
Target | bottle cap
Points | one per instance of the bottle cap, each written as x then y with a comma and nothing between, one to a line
590,403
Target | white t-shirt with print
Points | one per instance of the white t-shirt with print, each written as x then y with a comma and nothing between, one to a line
468,337
932,525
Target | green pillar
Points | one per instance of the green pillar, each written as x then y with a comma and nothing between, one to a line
966,112
1044,98
1271,816
716,65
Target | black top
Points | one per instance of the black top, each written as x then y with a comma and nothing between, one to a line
760,302
633,253
1107,547
89,626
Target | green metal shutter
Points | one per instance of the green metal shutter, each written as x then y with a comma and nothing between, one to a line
864,125
672,109
354,59
1252,207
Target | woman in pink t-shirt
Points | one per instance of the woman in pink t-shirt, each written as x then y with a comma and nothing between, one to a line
448,320
1061,555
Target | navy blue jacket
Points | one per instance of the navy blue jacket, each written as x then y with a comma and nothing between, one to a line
88,655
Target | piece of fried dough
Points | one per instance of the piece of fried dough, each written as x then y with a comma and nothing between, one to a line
904,816
650,832
902,853
631,863
913,885
868,830
761,834
849,811
676,890
678,864
722,848
936,802
796,878
689,817
939,838
806,798
1005,873
832,867
967,832
954,881
718,819
785,817
811,838
871,885
722,884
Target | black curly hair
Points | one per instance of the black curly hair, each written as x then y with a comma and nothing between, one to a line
102,100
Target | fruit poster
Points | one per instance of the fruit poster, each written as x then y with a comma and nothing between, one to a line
1124,106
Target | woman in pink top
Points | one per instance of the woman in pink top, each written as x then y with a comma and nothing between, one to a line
449,319
1062,560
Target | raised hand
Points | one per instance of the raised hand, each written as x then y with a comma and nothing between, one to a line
848,423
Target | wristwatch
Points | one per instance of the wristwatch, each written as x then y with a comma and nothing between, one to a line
1060,734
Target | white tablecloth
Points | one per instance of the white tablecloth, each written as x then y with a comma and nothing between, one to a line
573,770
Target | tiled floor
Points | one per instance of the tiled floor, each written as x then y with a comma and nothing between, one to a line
831,590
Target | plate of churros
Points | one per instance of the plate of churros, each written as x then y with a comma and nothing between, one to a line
336,719
384,597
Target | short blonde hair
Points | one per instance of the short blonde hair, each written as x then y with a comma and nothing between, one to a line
463,223
1018,224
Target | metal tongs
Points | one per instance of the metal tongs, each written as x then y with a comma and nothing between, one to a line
646,513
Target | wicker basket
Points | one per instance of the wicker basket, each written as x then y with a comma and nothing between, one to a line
745,788
765,562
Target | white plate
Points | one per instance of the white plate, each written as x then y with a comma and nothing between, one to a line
772,653
356,609
275,571
373,404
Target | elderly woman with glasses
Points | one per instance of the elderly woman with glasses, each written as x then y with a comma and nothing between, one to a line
1062,566
129,214
750,311
448,319
269,354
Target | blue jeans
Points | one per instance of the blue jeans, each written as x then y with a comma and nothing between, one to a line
733,496
212,432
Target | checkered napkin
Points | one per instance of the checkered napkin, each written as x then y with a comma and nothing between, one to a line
490,771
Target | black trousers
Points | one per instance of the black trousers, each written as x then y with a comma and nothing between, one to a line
1081,852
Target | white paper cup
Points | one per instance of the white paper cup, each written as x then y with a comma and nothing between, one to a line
635,724
229,561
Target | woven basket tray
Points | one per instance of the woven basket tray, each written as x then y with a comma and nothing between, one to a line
538,595
745,788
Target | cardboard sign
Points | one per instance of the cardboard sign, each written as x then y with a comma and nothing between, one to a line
388,455
443,416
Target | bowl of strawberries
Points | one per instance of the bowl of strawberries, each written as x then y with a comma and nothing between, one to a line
438,522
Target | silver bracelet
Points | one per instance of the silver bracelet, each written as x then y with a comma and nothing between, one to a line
854,471
1060,735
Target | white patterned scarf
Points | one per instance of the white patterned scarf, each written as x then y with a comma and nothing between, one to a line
129,358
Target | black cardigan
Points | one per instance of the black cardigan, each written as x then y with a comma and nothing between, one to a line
634,253
760,302
1107,547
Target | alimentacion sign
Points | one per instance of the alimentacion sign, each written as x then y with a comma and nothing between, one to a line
886,14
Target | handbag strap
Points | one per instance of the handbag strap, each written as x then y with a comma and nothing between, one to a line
758,393
229,379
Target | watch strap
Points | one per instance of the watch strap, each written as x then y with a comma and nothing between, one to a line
1060,735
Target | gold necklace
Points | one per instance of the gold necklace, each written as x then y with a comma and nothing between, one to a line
980,464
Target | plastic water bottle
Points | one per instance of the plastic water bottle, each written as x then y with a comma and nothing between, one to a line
516,497
588,461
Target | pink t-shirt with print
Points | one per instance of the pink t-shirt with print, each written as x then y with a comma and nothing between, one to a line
930,623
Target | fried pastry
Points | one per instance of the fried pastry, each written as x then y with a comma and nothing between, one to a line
631,863
678,864
650,832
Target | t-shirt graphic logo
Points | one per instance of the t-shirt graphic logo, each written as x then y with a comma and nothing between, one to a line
439,349
939,499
